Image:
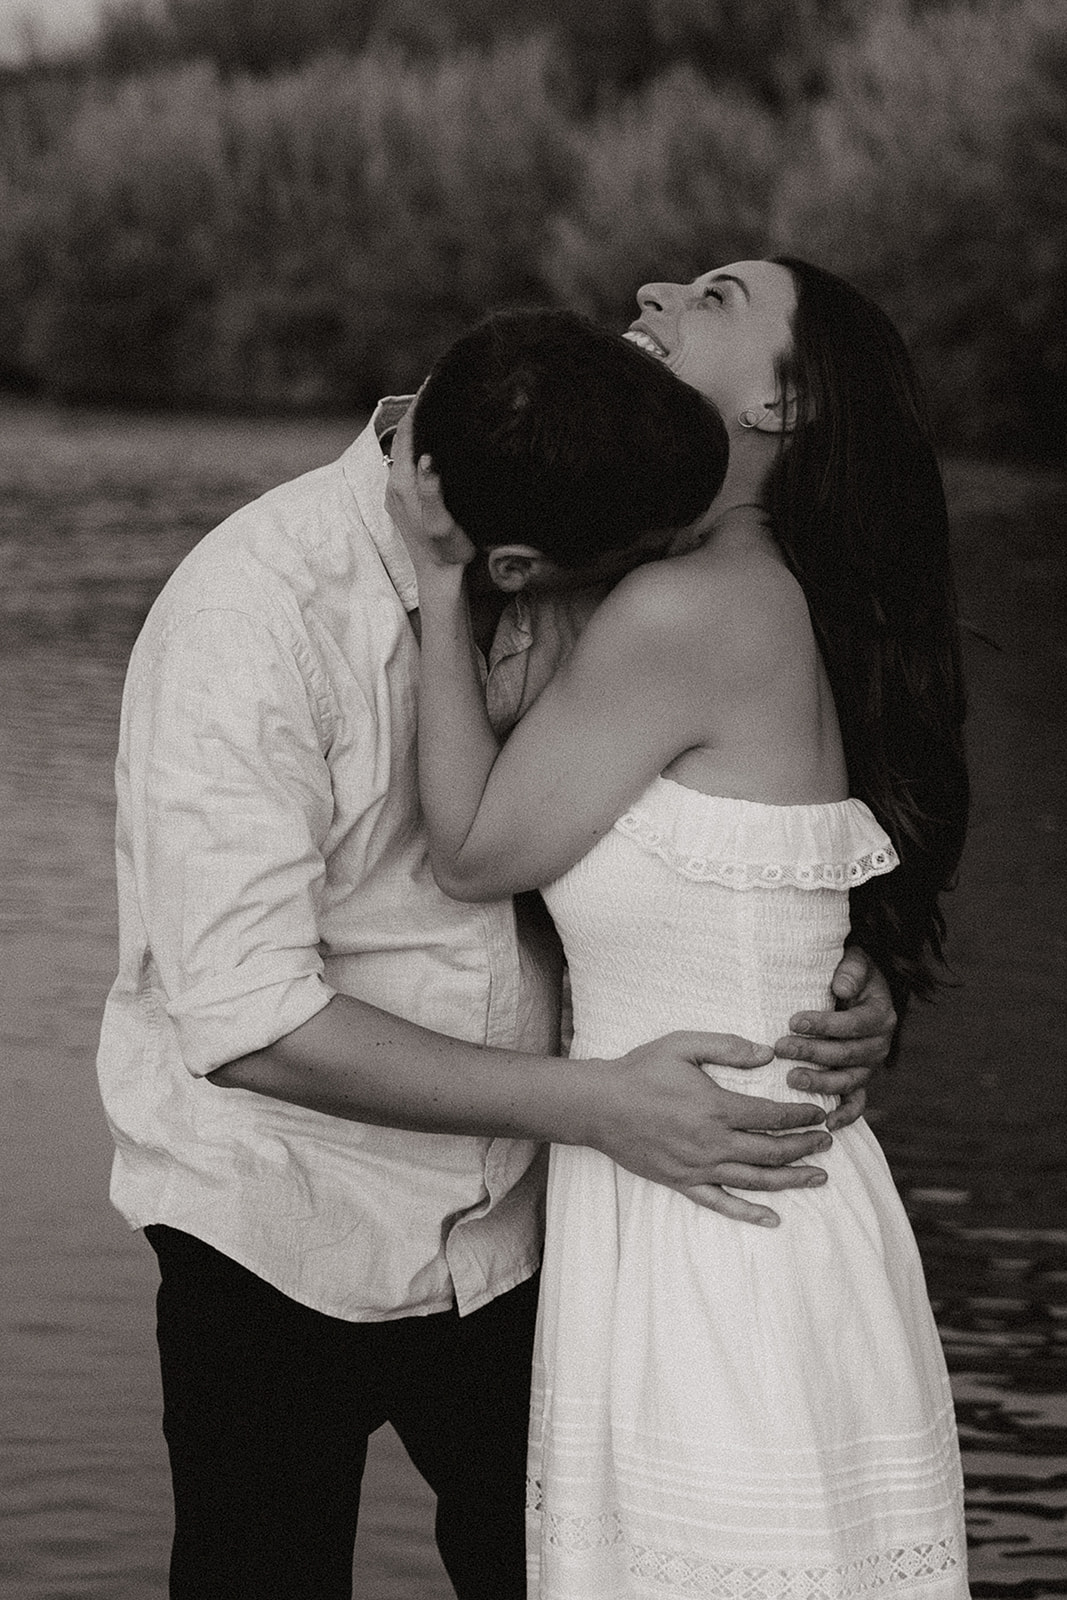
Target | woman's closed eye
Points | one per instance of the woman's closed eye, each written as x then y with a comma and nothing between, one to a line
711,293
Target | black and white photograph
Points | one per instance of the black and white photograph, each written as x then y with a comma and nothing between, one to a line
533,799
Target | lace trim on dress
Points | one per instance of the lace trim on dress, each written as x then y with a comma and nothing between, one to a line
758,874
679,1573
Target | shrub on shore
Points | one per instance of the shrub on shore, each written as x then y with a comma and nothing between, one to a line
312,238
286,242
934,174
677,178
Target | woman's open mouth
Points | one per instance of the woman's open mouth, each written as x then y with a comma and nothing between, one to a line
644,341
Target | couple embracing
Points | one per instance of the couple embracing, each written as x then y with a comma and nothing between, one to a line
665,628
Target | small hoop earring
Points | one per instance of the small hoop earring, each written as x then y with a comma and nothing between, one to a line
753,416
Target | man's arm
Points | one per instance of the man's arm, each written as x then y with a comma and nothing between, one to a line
229,866
653,1111
232,801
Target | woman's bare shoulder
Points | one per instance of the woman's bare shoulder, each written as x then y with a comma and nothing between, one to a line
745,610
651,605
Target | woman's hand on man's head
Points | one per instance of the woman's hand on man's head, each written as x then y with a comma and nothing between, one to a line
414,500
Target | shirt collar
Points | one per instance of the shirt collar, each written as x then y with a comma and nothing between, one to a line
514,631
366,474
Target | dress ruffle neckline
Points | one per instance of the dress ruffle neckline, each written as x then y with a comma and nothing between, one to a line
744,844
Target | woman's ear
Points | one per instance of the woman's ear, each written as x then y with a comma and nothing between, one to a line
788,409
775,416
518,566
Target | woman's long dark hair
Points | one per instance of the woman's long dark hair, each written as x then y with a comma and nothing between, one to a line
856,502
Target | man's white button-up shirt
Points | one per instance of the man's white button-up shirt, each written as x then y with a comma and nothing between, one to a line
271,853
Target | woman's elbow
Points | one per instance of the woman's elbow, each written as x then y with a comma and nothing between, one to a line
468,882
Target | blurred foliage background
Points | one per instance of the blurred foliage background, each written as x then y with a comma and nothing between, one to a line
259,204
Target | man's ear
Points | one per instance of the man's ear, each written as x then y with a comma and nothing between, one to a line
516,566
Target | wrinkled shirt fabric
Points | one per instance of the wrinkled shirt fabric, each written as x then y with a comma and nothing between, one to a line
270,854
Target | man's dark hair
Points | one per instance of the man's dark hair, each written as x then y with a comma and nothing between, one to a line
549,431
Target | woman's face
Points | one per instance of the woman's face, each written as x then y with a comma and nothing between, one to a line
721,333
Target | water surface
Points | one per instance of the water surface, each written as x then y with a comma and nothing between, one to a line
95,510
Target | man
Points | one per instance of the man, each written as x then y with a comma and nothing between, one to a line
327,1081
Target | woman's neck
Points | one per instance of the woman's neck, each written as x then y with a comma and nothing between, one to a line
737,510
737,523
752,455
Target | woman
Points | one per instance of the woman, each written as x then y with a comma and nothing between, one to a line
745,737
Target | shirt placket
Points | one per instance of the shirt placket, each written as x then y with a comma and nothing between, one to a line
505,678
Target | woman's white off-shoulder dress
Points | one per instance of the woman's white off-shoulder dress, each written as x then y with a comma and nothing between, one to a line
723,1410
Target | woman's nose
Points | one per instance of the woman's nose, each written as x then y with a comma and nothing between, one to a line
654,296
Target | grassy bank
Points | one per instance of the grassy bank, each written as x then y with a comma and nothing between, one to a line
190,234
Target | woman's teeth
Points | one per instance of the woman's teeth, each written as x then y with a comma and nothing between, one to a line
645,341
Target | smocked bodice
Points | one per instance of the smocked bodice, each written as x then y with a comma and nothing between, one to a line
697,911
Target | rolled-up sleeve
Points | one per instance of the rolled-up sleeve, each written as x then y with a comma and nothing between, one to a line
231,803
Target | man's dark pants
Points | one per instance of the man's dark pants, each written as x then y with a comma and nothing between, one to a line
268,1407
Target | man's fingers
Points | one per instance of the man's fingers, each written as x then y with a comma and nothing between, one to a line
722,1050
740,1176
855,1023
777,1150
851,1108
712,1198
750,1112
813,1080
835,1054
851,973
